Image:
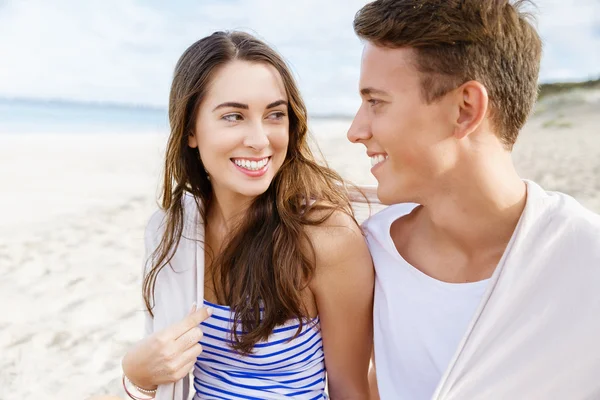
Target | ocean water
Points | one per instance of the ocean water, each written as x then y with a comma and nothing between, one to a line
57,116
39,116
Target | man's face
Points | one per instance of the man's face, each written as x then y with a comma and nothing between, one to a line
410,142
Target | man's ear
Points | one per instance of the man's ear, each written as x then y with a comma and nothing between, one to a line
472,104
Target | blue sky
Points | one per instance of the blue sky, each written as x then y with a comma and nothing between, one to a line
125,50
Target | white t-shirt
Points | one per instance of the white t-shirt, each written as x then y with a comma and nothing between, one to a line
418,321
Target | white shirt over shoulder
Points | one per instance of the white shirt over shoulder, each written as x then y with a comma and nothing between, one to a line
532,331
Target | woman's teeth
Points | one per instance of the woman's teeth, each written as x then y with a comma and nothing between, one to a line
251,165
378,158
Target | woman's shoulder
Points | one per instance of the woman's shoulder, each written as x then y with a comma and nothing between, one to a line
340,251
156,225
181,252
338,231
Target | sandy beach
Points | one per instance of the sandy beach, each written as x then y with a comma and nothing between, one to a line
72,214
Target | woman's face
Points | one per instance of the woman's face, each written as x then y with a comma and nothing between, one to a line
242,128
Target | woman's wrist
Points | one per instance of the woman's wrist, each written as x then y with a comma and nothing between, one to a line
129,371
135,392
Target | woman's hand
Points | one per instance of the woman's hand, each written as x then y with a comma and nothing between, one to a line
168,355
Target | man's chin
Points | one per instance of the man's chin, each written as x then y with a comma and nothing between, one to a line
391,194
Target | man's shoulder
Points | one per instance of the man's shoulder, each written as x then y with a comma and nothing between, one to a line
563,210
564,221
380,222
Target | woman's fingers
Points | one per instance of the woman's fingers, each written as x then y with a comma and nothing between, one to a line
192,320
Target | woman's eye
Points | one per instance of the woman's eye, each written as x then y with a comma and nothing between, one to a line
276,115
373,102
232,117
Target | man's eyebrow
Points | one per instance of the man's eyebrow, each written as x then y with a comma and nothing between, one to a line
368,91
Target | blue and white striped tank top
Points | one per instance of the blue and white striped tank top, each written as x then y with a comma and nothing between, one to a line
276,369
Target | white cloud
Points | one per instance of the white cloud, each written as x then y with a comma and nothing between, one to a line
570,30
125,50
78,50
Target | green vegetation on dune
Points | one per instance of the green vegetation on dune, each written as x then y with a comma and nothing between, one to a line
547,89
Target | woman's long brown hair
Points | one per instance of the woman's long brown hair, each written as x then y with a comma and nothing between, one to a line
269,260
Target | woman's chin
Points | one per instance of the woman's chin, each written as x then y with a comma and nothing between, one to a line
253,189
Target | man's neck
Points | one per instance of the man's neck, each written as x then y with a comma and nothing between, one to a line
476,210
461,231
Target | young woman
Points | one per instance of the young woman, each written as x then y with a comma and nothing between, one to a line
260,233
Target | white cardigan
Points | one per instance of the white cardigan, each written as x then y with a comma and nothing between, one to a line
536,334
179,284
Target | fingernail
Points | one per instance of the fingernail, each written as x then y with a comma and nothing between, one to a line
209,311
193,306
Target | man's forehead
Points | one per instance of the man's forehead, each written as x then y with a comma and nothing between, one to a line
387,57
381,65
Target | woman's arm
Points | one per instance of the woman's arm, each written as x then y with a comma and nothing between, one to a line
343,290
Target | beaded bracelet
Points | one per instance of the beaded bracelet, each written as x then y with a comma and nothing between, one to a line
146,392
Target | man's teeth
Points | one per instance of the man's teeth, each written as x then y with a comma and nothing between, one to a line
251,165
376,159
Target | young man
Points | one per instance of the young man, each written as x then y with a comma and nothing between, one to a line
489,288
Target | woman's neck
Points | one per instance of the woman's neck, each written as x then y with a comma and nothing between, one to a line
226,210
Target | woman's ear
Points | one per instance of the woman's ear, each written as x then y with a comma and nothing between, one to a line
192,142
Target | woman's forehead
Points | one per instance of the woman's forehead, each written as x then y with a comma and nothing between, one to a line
247,83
